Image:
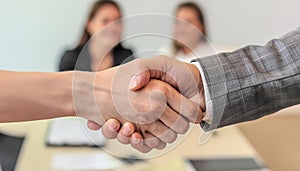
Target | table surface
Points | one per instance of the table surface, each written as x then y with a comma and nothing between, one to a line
276,138
35,155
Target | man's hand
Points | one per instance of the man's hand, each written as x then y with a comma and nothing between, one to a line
182,76
157,110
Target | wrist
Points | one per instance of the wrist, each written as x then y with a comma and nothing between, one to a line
197,76
92,95
63,87
104,90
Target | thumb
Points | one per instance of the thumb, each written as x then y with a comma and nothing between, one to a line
139,80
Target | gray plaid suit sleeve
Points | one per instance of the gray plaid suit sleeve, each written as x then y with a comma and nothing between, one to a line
252,82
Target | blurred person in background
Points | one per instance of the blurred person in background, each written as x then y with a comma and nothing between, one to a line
103,22
190,33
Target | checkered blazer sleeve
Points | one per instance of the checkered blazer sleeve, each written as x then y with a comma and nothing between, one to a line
252,82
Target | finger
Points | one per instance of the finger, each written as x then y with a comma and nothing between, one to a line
184,106
125,133
139,80
110,128
174,121
127,129
162,132
153,142
136,142
142,78
93,125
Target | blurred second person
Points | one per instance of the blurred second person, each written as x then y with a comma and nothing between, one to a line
104,22
190,33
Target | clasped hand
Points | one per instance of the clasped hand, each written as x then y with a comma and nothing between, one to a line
147,102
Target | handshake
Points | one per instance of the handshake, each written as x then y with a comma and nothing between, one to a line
144,103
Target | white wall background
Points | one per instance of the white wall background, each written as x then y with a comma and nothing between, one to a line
34,33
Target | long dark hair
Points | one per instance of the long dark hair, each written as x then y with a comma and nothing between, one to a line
97,5
197,9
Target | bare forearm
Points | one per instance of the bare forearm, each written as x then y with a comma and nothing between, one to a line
28,96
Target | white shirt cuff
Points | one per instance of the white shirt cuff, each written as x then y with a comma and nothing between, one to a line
208,113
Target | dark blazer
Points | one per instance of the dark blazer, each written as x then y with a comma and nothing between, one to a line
252,82
70,58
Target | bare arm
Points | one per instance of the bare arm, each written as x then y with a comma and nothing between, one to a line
27,96
98,96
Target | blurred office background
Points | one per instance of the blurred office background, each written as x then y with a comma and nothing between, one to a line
35,33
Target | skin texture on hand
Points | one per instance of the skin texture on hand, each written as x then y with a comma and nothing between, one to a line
184,77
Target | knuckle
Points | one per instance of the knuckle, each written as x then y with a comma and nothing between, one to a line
164,89
158,107
171,137
159,89
184,128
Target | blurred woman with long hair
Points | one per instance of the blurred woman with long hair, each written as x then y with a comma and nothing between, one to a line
104,18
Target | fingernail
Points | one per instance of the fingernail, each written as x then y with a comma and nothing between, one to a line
135,140
112,125
133,82
127,130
